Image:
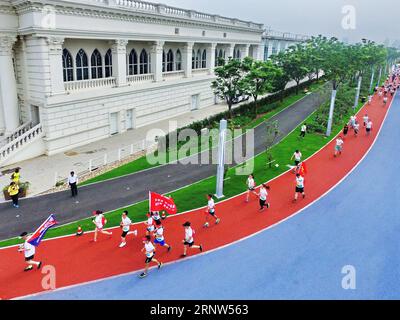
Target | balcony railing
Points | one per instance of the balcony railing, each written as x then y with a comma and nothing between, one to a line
173,74
140,78
200,71
89,84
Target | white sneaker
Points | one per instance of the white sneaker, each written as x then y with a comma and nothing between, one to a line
123,244
206,225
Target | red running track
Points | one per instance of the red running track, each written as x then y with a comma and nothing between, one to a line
79,260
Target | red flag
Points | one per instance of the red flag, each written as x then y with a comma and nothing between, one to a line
302,169
158,202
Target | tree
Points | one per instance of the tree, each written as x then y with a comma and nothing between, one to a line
281,80
259,77
227,85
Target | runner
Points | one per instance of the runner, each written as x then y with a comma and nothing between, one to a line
156,217
263,197
29,253
368,127
159,238
149,223
338,146
369,99
365,119
385,100
251,185
100,221
356,128
380,94
297,159
126,225
189,240
345,130
303,130
211,211
150,251
299,187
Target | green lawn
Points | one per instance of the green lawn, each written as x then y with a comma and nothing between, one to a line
142,163
233,186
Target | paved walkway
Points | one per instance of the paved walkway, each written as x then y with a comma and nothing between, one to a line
133,188
42,172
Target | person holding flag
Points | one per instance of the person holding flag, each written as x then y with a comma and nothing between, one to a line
28,247
29,253
301,169
149,223
100,221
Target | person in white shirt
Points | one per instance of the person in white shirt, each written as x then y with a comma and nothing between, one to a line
188,242
385,100
365,119
125,226
150,251
299,187
263,196
100,221
73,182
149,223
251,186
356,128
303,130
338,146
29,253
369,99
210,211
368,127
297,157
159,238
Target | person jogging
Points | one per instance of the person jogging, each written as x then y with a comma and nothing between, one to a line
263,194
29,253
365,119
369,99
125,224
303,130
13,191
299,187
100,221
385,100
297,157
251,185
189,240
345,130
159,238
210,211
73,182
356,129
368,127
150,251
149,223
338,146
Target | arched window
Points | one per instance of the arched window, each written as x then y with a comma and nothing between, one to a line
144,62
108,63
163,61
204,59
178,60
193,59
68,68
198,59
133,63
97,65
82,65
170,60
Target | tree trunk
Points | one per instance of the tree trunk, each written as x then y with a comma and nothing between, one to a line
230,110
255,105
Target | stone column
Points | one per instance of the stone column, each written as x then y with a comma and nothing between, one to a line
55,64
8,85
119,61
270,45
278,48
211,57
257,52
156,60
244,51
187,59
229,51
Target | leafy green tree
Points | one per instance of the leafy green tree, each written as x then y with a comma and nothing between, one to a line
227,85
282,79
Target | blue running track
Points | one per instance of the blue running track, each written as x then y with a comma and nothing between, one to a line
356,224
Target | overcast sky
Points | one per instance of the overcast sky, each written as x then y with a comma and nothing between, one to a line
375,20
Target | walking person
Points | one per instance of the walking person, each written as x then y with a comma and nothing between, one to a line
125,224
73,181
13,191
368,127
189,240
159,238
385,100
297,159
365,119
345,130
303,130
16,176
338,146
150,251
29,253
369,99
299,187
263,194
356,128
251,185
210,211
100,221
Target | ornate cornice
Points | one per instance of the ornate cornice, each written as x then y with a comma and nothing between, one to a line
6,44
119,46
55,44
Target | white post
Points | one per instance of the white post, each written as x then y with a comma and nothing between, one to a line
8,85
221,158
331,109
372,80
380,76
119,61
55,64
358,92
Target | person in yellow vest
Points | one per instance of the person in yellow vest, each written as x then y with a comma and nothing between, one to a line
13,191
16,176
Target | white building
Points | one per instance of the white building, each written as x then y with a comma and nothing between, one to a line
76,71
274,42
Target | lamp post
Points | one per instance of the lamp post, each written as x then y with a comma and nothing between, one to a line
221,159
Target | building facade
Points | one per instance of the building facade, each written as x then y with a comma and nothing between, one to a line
274,42
73,72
